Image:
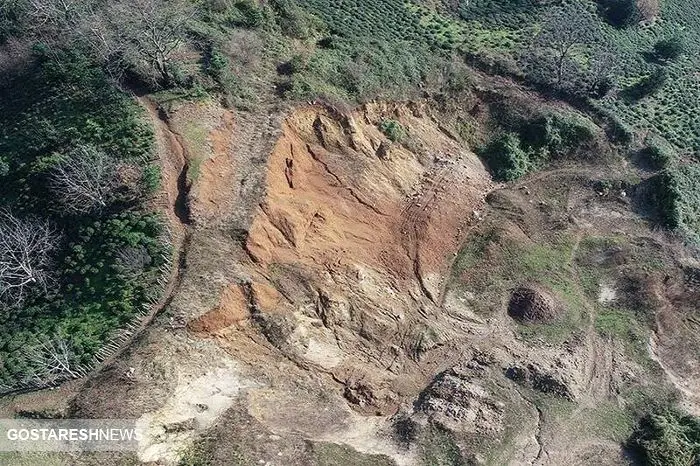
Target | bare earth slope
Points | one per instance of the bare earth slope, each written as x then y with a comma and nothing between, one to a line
338,288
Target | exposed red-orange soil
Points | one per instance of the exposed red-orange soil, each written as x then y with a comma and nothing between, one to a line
334,200
232,309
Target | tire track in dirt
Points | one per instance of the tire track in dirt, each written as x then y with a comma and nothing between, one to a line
415,217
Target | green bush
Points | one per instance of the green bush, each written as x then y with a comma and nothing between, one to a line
506,158
668,438
648,85
677,199
4,167
619,13
294,21
559,134
393,130
657,153
669,49
246,13
151,177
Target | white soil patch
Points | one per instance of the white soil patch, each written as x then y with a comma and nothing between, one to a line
194,406
606,294
324,352
368,434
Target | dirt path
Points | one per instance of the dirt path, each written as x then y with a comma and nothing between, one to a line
173,201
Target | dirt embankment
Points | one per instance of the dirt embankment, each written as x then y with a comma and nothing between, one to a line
353,243
340,194
317,300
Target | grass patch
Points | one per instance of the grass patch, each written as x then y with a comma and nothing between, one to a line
196,138
438,448
512,264
332,454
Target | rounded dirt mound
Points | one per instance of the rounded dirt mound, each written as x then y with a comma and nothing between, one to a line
532,304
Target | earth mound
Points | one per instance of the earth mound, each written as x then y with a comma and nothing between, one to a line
533,304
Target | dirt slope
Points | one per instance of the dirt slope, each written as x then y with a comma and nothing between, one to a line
338,288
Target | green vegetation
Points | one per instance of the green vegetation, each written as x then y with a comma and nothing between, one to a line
667,438
393,130
677,197
657,153
669,49
438,448
512,264
106,261
558,135
535,140
506,159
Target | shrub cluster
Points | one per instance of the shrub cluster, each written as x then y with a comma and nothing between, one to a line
506,158
393,130
109,259
667,438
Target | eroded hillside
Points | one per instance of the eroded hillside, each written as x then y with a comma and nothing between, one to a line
343,297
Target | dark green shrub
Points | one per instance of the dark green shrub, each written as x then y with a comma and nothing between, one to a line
215,64
559,134
648,85
246,13
150,178
657,153
12,14
506,158
393,130
669,49
619,13
677,199
668,438
294,21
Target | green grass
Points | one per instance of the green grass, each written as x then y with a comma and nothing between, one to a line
332,454
511,264
609,420
438,448
196,137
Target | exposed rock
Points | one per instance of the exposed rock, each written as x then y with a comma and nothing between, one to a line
539,379
383,151
461,403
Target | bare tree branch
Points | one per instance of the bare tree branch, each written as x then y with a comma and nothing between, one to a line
85,180
52,360
25,263
563,30
150,30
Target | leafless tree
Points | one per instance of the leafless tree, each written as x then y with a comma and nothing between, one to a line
53,360
564,29
85,180
25,256
151,31
133,259
648,9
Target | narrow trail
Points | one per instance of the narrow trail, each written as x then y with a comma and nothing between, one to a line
415,216
173,162
600,354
